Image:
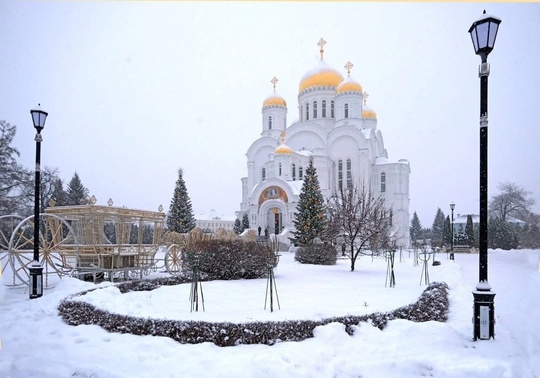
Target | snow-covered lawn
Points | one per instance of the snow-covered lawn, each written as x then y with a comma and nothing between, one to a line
37,343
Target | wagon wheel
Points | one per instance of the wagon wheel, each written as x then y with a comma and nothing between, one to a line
58,249
7,225
173,258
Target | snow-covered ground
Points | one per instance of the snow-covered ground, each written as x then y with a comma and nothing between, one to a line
36,343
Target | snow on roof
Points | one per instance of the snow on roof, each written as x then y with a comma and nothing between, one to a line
380,160
305,152
296,186
212,215
367,133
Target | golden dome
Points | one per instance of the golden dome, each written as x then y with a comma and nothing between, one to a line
369,114
283,149
274,100
322,75
349,85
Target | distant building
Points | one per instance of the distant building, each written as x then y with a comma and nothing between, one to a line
339,132
460,222
212,222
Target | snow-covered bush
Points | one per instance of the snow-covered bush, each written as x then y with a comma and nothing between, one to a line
227,259
318,254
431,306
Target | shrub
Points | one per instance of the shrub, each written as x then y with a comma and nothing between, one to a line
227,259
318,254
431,306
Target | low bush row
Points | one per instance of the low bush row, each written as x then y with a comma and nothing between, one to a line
432,305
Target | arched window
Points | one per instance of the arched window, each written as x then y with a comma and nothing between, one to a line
346,110
263,174
279,169
300,173
349,173
314,109
269,122
294,172
332,109
307,112
340,174
383,182
324,108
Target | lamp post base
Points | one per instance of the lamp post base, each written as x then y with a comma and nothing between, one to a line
36,280
484,314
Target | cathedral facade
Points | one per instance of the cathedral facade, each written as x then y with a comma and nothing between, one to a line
339,132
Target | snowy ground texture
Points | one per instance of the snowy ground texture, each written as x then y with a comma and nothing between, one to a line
35,341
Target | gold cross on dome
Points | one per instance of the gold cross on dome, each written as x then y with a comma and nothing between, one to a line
274,81
282,137
366,95
348,67
321,44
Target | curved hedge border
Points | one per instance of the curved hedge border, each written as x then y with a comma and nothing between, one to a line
432,305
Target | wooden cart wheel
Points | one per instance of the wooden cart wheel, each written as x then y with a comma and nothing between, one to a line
58,249
7,225
173,258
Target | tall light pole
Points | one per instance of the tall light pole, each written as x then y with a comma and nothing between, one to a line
483,33
452,207
36,269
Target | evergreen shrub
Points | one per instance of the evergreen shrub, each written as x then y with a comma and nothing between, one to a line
227,259
317,254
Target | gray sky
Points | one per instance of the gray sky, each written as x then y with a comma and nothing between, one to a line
135,90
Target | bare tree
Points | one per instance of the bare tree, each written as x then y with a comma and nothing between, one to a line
12,175
361,219
513,201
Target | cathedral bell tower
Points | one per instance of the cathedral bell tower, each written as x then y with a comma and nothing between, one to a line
274,113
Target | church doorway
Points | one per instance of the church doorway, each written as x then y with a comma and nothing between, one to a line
274,220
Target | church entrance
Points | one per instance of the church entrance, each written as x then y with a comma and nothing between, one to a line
274,220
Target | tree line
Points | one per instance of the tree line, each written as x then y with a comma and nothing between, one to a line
17,184
511,223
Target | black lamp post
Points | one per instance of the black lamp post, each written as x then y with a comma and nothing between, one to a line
483,33
452,207
36,269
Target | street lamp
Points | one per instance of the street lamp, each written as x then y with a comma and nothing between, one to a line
483,33
36,270
452,207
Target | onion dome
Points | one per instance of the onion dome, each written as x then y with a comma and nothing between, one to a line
322,75
349,84
368,113
282,149
274,99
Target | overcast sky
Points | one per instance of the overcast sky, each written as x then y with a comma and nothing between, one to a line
136,90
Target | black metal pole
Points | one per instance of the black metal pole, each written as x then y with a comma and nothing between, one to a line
36,270
483,242
484,309
452,231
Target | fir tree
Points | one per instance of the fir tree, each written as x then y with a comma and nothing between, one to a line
416,228
469,231
438,228
237,227
245,222
59,195
309,219
76,192
180,218
447,239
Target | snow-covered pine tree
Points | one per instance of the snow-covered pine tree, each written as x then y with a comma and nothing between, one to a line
469,231
447,239
76,192
237,227
180,218
416,228
438,228
245,222
309,219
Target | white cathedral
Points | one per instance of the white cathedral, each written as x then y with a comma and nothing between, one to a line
339,132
